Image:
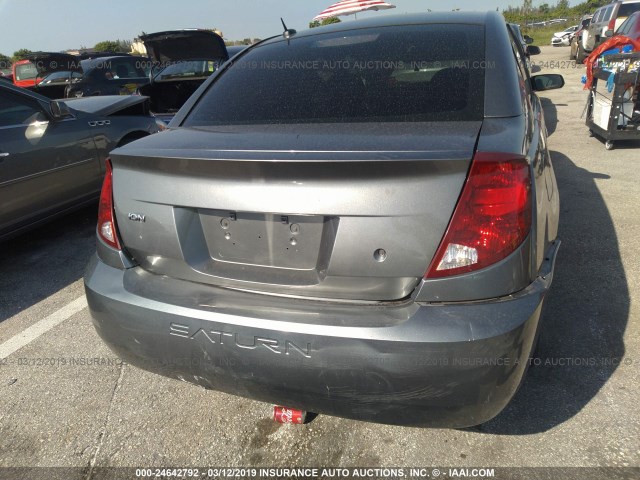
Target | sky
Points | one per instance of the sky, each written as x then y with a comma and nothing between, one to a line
70,24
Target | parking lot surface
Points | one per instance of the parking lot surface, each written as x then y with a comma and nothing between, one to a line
67,401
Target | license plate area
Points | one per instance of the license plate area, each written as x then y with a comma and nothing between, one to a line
264,240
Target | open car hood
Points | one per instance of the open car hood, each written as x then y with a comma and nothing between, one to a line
179,45
104,105
49,62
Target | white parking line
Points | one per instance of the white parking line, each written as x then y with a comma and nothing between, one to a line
28,335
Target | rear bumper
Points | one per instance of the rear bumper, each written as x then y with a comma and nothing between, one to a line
438,365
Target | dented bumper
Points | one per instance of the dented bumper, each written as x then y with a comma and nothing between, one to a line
437,365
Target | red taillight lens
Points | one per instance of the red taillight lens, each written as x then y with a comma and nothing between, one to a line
612,24
492,218
106,218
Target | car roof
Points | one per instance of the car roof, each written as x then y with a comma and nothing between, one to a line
93,62
502,91
471,18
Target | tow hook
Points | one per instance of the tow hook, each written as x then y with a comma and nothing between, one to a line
289,415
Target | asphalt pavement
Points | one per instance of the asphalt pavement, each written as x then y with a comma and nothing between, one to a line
67,401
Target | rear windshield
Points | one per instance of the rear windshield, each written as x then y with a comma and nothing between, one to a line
118,68
392,74
187,69
607,14
627,9
26,71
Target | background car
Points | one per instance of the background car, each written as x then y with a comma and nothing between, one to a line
364,218
184,59
233,50
24,73
525,41
115,75
52,154
564,37
578,37
29,72
630,27
54,85
605,18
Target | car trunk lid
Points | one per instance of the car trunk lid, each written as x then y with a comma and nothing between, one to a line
179,45
46,63
352,212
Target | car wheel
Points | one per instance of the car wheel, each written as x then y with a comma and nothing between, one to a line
572,52
608,145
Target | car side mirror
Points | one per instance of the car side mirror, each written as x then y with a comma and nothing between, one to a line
533,50
60,110
528,40
548,81
608,33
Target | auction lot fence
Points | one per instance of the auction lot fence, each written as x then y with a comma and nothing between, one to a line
313,473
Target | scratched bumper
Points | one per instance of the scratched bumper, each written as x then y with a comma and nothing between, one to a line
452,365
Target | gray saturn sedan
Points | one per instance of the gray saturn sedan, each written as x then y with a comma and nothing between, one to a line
359,220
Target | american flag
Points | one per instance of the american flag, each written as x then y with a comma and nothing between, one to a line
349,7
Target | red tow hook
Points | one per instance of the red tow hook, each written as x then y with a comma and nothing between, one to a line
289,415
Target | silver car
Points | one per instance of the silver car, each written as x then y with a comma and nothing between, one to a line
53,153
359,220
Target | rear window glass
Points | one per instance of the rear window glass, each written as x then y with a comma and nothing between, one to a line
391,74
187,69
117,68
607,14
596,17
627,9
26,71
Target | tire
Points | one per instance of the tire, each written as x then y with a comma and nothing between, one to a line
608,145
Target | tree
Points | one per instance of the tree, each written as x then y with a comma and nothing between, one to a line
5,62
119,46
21,54
326,21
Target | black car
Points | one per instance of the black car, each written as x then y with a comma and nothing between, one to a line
116,75
52,153
54,72
183,60
54,85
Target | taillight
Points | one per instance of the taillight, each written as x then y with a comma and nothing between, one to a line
612,24
492,217
106,218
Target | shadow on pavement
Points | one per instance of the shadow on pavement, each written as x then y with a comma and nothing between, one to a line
581,340
40,262
550,115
